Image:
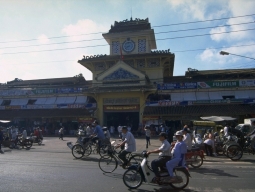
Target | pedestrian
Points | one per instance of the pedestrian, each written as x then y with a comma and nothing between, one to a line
147,135
61,133
170,135
129,128
24,136
112,130
120,131
1,140
162,128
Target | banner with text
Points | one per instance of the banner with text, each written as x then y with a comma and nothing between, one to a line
217,84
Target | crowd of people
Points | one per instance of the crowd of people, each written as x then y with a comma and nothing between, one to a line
9,136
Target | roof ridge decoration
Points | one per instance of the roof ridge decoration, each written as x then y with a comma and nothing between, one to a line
130,25
121,74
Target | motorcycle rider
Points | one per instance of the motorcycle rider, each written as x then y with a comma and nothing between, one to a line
130,145
179,150
252,136
164,155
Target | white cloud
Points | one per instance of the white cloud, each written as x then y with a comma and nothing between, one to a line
212,56
43,39
197,9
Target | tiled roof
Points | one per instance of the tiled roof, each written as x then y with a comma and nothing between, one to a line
200,110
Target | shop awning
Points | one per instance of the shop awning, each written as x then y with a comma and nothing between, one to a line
200,110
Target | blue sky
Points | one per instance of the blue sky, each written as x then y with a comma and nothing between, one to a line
45,39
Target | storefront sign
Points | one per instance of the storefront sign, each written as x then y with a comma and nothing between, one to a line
121,108
218,84
148,118
218,101
43,91
167,86
85,119
121,101
69,90
168,103
247,83
13,107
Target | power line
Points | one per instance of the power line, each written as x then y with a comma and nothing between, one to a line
107,44
203,21
191,29
180,37
152,26
173,52
212,48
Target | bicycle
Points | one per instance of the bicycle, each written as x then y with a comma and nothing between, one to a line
85,146
108,163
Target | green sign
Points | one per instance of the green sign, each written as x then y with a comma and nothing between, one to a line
217,84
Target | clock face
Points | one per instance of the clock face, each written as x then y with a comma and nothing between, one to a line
128,45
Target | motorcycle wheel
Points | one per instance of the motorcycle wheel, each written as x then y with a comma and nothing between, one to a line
78,151
234,152
132,179
108,163
135,159
196,161
185,179
28,144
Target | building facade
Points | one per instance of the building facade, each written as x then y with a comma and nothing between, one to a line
133,85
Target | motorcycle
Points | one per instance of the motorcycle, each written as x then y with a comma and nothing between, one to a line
36,139
138,173
247,146
195,157
28,142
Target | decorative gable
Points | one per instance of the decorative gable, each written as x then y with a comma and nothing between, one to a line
121,74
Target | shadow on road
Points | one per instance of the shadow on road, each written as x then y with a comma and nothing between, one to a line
88,159
215,172
113,175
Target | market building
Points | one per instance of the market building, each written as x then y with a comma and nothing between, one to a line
133,85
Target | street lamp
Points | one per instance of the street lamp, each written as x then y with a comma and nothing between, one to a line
227,53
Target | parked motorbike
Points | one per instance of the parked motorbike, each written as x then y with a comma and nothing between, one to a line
195,157
247,146
36,139
138,173
28,142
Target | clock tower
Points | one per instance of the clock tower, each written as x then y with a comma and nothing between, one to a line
132,36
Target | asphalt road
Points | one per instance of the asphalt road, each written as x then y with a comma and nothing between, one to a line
51,167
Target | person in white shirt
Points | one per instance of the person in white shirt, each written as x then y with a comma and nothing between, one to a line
120,131
112,130
147,135
226,131
164,155
187,138
129,128
179,151
130,145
